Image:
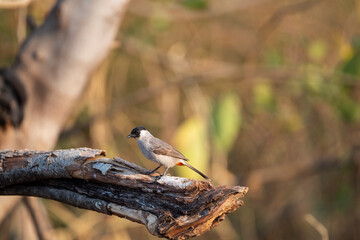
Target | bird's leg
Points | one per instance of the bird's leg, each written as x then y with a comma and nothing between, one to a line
165,171
154,170
158,177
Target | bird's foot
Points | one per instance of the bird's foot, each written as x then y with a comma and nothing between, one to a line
151,172
158,177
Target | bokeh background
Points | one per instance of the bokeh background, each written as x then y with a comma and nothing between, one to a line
258,93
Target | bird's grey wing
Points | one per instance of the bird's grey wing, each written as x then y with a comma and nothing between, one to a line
162,148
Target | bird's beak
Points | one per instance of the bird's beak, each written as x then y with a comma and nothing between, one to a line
131,136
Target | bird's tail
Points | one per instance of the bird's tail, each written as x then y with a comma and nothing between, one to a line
194,169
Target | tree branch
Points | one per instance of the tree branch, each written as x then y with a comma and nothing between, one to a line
170,207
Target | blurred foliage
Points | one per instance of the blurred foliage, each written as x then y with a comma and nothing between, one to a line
242,89
191,139
195,4
352,66
317,50
264,96
227,121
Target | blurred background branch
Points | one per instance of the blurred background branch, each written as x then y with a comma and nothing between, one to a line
39,218
280,15
318,226
14,4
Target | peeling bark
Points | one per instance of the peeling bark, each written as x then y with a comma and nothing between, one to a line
170,207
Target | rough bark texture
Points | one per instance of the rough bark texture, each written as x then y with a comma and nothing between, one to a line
54,64
169,207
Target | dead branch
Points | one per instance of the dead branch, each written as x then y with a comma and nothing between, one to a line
170,207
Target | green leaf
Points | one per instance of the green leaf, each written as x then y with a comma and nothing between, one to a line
195,4
347,108
317,50
273,57
352,66
191,140
314,82
344,197
160,24
263,96
289,117
227,121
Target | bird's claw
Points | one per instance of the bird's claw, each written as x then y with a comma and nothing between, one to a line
158,177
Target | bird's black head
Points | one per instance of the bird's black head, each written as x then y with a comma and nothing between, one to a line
135,133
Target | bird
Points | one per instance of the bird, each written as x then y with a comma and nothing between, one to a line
158,151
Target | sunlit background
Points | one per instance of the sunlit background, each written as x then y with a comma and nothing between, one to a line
258,93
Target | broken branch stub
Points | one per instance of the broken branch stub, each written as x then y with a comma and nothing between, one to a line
170,207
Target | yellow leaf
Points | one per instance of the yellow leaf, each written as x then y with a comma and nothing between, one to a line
191,140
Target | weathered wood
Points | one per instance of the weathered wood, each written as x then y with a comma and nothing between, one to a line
170,207
54,64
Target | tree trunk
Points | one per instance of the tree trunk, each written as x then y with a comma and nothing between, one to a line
55,62
50,72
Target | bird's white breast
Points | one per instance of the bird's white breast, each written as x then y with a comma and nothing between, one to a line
144,142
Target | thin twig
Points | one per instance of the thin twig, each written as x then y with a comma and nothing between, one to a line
39,218
8,206
317,225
